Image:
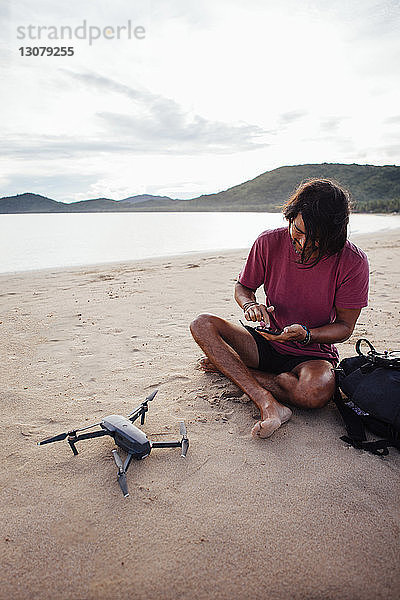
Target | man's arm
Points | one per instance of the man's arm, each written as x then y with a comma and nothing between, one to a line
255,312
338,331
244,294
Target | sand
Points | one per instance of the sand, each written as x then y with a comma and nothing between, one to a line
298,516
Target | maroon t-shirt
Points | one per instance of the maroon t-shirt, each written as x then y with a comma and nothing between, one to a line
305,295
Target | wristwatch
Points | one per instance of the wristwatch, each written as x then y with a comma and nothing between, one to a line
307,339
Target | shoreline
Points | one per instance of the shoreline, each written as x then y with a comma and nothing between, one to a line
356,237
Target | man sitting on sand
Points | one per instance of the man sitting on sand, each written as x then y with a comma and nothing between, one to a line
316,283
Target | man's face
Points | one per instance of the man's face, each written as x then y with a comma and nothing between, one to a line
298,234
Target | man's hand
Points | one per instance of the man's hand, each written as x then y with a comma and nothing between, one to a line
331,333
295,333
258,312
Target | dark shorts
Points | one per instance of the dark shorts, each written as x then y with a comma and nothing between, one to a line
272,361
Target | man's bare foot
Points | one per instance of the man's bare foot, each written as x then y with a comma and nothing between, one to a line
207,366
273,415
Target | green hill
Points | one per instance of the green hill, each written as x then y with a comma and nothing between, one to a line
373,188
29,203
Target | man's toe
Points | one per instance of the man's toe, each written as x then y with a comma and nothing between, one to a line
264,429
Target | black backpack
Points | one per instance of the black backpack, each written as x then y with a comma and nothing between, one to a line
371,385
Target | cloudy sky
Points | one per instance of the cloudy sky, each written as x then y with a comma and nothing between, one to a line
213,94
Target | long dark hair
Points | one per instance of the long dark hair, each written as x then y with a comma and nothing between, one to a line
325,207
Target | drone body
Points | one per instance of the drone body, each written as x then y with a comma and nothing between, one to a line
127,436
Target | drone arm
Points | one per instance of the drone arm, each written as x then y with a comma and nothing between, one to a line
166,444
128,461
142,409
84,436
93,434
184,444
138,412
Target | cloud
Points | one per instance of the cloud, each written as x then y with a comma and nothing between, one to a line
198,15
174,132
331,124
377,19
341,145
143,96
391,150
290,117
155,124
130,134
48,185
50,147
393,120
5,10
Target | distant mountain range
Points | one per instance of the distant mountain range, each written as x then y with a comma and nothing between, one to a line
374,189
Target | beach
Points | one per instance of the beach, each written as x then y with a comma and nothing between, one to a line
297,516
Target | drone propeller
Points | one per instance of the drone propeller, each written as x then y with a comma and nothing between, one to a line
123,484
185,441
142,409
62,436
185,447
118,460
121,473
56,438
151,396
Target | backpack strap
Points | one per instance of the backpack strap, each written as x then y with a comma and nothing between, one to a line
356,431
379,448
354,425
388,360
358,346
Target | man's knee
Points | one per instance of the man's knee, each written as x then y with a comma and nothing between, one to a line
202,324
315,391
314,397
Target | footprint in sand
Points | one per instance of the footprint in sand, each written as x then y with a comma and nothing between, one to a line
106,277
235,395
176,377
167,380
200,419
153,385
30,429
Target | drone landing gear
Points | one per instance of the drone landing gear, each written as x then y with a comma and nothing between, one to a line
184,443
122,469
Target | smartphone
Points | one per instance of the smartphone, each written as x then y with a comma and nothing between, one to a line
269,331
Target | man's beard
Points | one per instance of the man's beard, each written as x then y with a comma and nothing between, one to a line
304,253
296,247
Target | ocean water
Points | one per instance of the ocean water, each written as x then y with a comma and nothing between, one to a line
41,241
